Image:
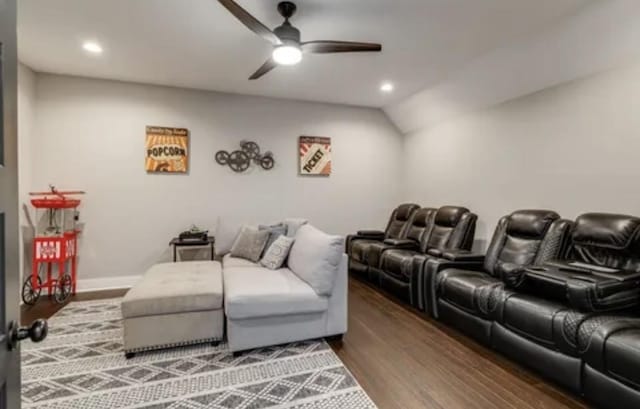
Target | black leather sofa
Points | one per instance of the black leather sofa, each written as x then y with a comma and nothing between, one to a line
449,228
559,297
420,222
357,245
462,288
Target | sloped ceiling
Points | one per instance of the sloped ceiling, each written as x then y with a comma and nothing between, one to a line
601,36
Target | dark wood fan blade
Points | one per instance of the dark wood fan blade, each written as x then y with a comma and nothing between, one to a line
251,22
266,67
329,47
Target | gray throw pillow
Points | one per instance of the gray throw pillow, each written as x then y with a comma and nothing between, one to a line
293,225
277,253
250,243
275,231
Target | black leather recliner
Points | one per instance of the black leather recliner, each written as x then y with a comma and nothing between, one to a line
602,271
450,228
464,289
421,221
561,298
548,320
357,245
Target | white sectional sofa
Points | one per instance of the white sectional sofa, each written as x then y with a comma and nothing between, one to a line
183,303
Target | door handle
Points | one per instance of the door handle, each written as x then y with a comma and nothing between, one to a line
37,332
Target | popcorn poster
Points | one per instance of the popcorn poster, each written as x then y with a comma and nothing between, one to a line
167,150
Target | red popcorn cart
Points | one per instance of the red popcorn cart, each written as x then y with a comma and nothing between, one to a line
55,245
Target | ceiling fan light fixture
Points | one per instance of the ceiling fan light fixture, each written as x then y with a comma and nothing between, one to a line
287,54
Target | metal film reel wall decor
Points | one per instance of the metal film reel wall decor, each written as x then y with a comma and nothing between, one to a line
240,160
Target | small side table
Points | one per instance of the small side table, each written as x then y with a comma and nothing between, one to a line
176,242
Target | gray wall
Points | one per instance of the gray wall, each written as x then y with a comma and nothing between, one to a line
89,134
573,148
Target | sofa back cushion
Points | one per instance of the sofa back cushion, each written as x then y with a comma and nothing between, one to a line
608,240
315,257
400,220
293,224
421,222
453,228
275,231
519,238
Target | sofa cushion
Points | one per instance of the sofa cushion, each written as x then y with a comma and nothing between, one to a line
315,257
228,261
360,250
250,243
615,351
475,292
397,263
532,317
171,288
254,292
293,225
277,254
275,231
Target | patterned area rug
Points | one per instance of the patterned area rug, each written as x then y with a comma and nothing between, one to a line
81,365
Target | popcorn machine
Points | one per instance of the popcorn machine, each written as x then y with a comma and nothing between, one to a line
55,245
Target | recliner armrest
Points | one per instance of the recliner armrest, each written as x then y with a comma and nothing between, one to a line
434,252
402,243
462,256
370,233
429,267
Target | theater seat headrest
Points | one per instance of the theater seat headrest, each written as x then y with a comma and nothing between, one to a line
531,223
614,231
404,211
422,216
449,216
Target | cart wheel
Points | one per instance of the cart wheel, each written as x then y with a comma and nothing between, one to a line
30,295
63,289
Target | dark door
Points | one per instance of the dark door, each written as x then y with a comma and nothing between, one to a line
9,270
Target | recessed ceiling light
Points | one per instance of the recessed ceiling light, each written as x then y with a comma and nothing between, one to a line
386,87
92,47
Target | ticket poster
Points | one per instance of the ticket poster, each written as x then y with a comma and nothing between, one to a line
315,156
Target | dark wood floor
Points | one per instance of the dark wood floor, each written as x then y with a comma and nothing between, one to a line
405,361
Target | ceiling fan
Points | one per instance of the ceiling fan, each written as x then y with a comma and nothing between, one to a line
287,47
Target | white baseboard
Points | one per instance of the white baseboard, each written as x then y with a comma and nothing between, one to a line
106,283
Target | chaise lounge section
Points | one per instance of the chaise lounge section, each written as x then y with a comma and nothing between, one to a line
174,304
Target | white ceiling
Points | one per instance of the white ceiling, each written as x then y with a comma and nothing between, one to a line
198,44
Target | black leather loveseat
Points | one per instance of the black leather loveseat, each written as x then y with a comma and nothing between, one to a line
557,296
428,233
357,245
